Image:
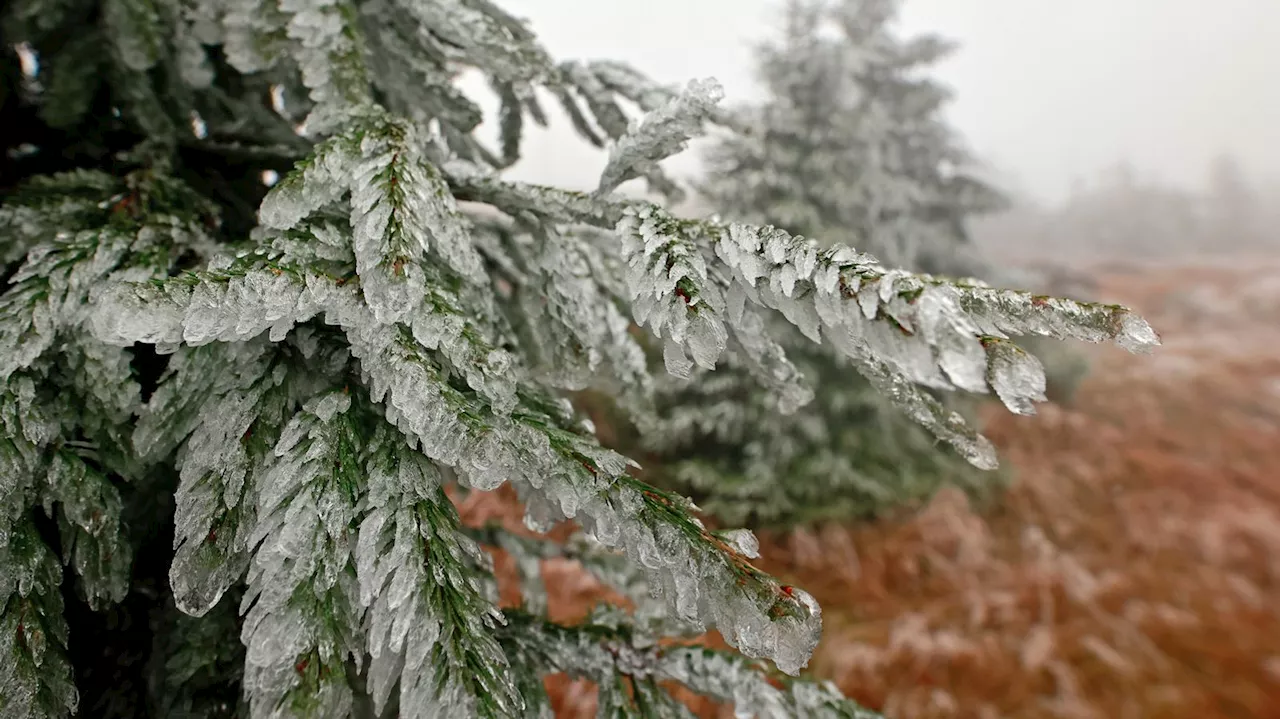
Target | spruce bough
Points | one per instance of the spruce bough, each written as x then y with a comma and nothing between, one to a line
298,374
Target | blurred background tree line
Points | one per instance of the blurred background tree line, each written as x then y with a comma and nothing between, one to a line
1124,214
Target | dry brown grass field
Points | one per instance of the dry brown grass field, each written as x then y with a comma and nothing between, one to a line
1132,570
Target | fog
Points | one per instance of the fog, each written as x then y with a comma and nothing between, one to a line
1047,92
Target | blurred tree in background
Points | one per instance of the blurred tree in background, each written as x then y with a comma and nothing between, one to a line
850,145
1233,206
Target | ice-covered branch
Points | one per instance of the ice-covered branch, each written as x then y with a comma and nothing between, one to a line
46,205
731,678
430,623
35,668
224,405
301,610
611,568
573,324
899,328
694,280
607,654
90,527
659,134
126,230
561,473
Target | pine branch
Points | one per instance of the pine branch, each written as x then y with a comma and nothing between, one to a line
225,405
329,53
90,527
606,654
49,291
430,624
571,321
661,133
301,607
104,393
570,474
730,678
35,671
899,328
484,37
40,208
22,457
611,568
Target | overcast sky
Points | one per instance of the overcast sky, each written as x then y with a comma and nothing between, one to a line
1047,90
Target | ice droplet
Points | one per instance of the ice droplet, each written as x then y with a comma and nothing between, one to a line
1016,376
980,453
1134,334
673,356
743,542
330,405
707,338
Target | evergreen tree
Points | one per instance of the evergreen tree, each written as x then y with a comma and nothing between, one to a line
283,382
1233,207
849,145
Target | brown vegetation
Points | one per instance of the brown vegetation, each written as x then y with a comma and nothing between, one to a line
1130,572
